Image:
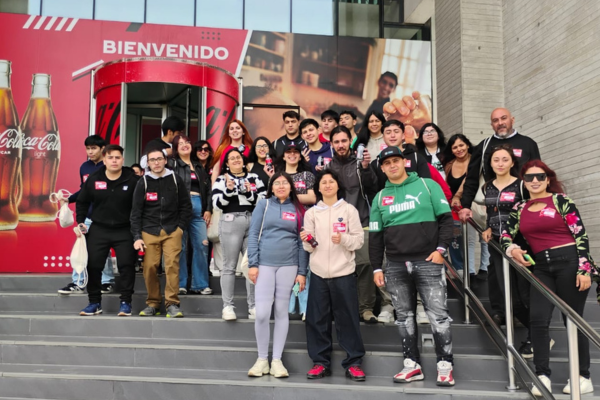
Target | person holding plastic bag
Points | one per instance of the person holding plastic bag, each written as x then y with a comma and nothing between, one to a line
276,262
332,234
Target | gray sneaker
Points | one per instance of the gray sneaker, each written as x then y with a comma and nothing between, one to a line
173,311
149,312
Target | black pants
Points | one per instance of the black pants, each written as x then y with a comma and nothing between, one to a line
335,297
519,289
557,269
99,242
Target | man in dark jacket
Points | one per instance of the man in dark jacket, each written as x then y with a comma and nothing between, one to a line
161,212
411,224
110,191
291,121
359,182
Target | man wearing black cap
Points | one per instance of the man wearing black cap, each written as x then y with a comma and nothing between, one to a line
411,224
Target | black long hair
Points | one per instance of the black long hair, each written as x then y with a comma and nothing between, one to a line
364,134
441,144
224,167
303,165
197,146
341,193
448,155
293,195
253,158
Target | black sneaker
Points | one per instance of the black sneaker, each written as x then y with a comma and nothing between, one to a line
107,288
526,349
482,275
71,288
499,319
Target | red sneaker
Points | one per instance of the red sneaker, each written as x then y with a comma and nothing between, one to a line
356,373
318,372
411,372
445,377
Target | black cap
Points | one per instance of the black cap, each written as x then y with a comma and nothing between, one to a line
291,146
391,151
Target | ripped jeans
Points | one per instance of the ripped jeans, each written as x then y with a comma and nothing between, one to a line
403,280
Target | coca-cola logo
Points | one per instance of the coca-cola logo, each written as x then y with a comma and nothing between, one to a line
10,139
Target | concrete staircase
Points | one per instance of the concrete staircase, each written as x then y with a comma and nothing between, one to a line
48,351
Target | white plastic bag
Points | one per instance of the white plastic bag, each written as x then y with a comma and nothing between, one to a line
65,215
79,256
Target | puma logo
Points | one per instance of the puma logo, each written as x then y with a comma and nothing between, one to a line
411,197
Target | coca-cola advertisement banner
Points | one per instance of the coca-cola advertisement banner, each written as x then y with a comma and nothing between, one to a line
46,66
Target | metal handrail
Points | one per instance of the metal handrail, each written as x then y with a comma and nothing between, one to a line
574,320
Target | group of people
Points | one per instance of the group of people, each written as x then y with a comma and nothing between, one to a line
346,216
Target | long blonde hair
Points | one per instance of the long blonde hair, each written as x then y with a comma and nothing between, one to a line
226,141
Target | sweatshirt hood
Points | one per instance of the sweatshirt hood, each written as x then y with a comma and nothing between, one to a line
412,177
324,150
322,206
275,200
153,176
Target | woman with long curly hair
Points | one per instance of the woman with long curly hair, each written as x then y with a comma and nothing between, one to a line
237,137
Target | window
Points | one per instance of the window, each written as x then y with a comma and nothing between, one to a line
268,15
357,19
172,12
210,13
119,10
403,58
313,16
33,7
68,8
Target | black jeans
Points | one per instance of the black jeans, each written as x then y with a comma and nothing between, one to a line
519,289
99,241
557,269
335,297
403,280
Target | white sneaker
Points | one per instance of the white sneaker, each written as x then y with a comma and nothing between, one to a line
445,376
260,367
385,316
585,386
546,381
252,313
422,317
228,313
206,291
278,370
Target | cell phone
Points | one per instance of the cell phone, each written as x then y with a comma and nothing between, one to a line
296,288
529,259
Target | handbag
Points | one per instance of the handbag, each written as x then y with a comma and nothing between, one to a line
64,215
478,205
244,264
212,231
79,256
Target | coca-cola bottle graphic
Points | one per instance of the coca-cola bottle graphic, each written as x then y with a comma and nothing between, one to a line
10,152
41,154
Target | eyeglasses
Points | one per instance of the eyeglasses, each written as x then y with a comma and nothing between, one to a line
281,183
262,146
431,132
235,158
530,177
204,150
156,160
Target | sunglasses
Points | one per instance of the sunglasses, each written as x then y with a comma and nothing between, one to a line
204,150
530,177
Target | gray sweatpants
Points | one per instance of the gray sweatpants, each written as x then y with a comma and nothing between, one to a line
273,283
233,234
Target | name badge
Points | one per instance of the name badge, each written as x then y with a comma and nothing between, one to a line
253,187
326,160
507,196
85,177
300,185
407,163
100,185
518,152
151,196
194,177
387,200
339,227
382,146
548,212
288,216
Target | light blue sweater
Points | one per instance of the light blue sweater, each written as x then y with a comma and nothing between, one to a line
280,244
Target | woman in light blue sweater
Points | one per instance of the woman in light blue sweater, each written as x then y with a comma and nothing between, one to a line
276,260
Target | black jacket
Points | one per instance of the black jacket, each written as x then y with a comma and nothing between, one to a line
525,149
111,199
418,164
184,171
279,144
360,184
160,203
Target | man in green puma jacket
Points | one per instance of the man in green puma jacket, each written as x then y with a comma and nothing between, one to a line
411,224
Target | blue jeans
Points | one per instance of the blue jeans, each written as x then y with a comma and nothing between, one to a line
108,276
456,249
197,233
402,281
